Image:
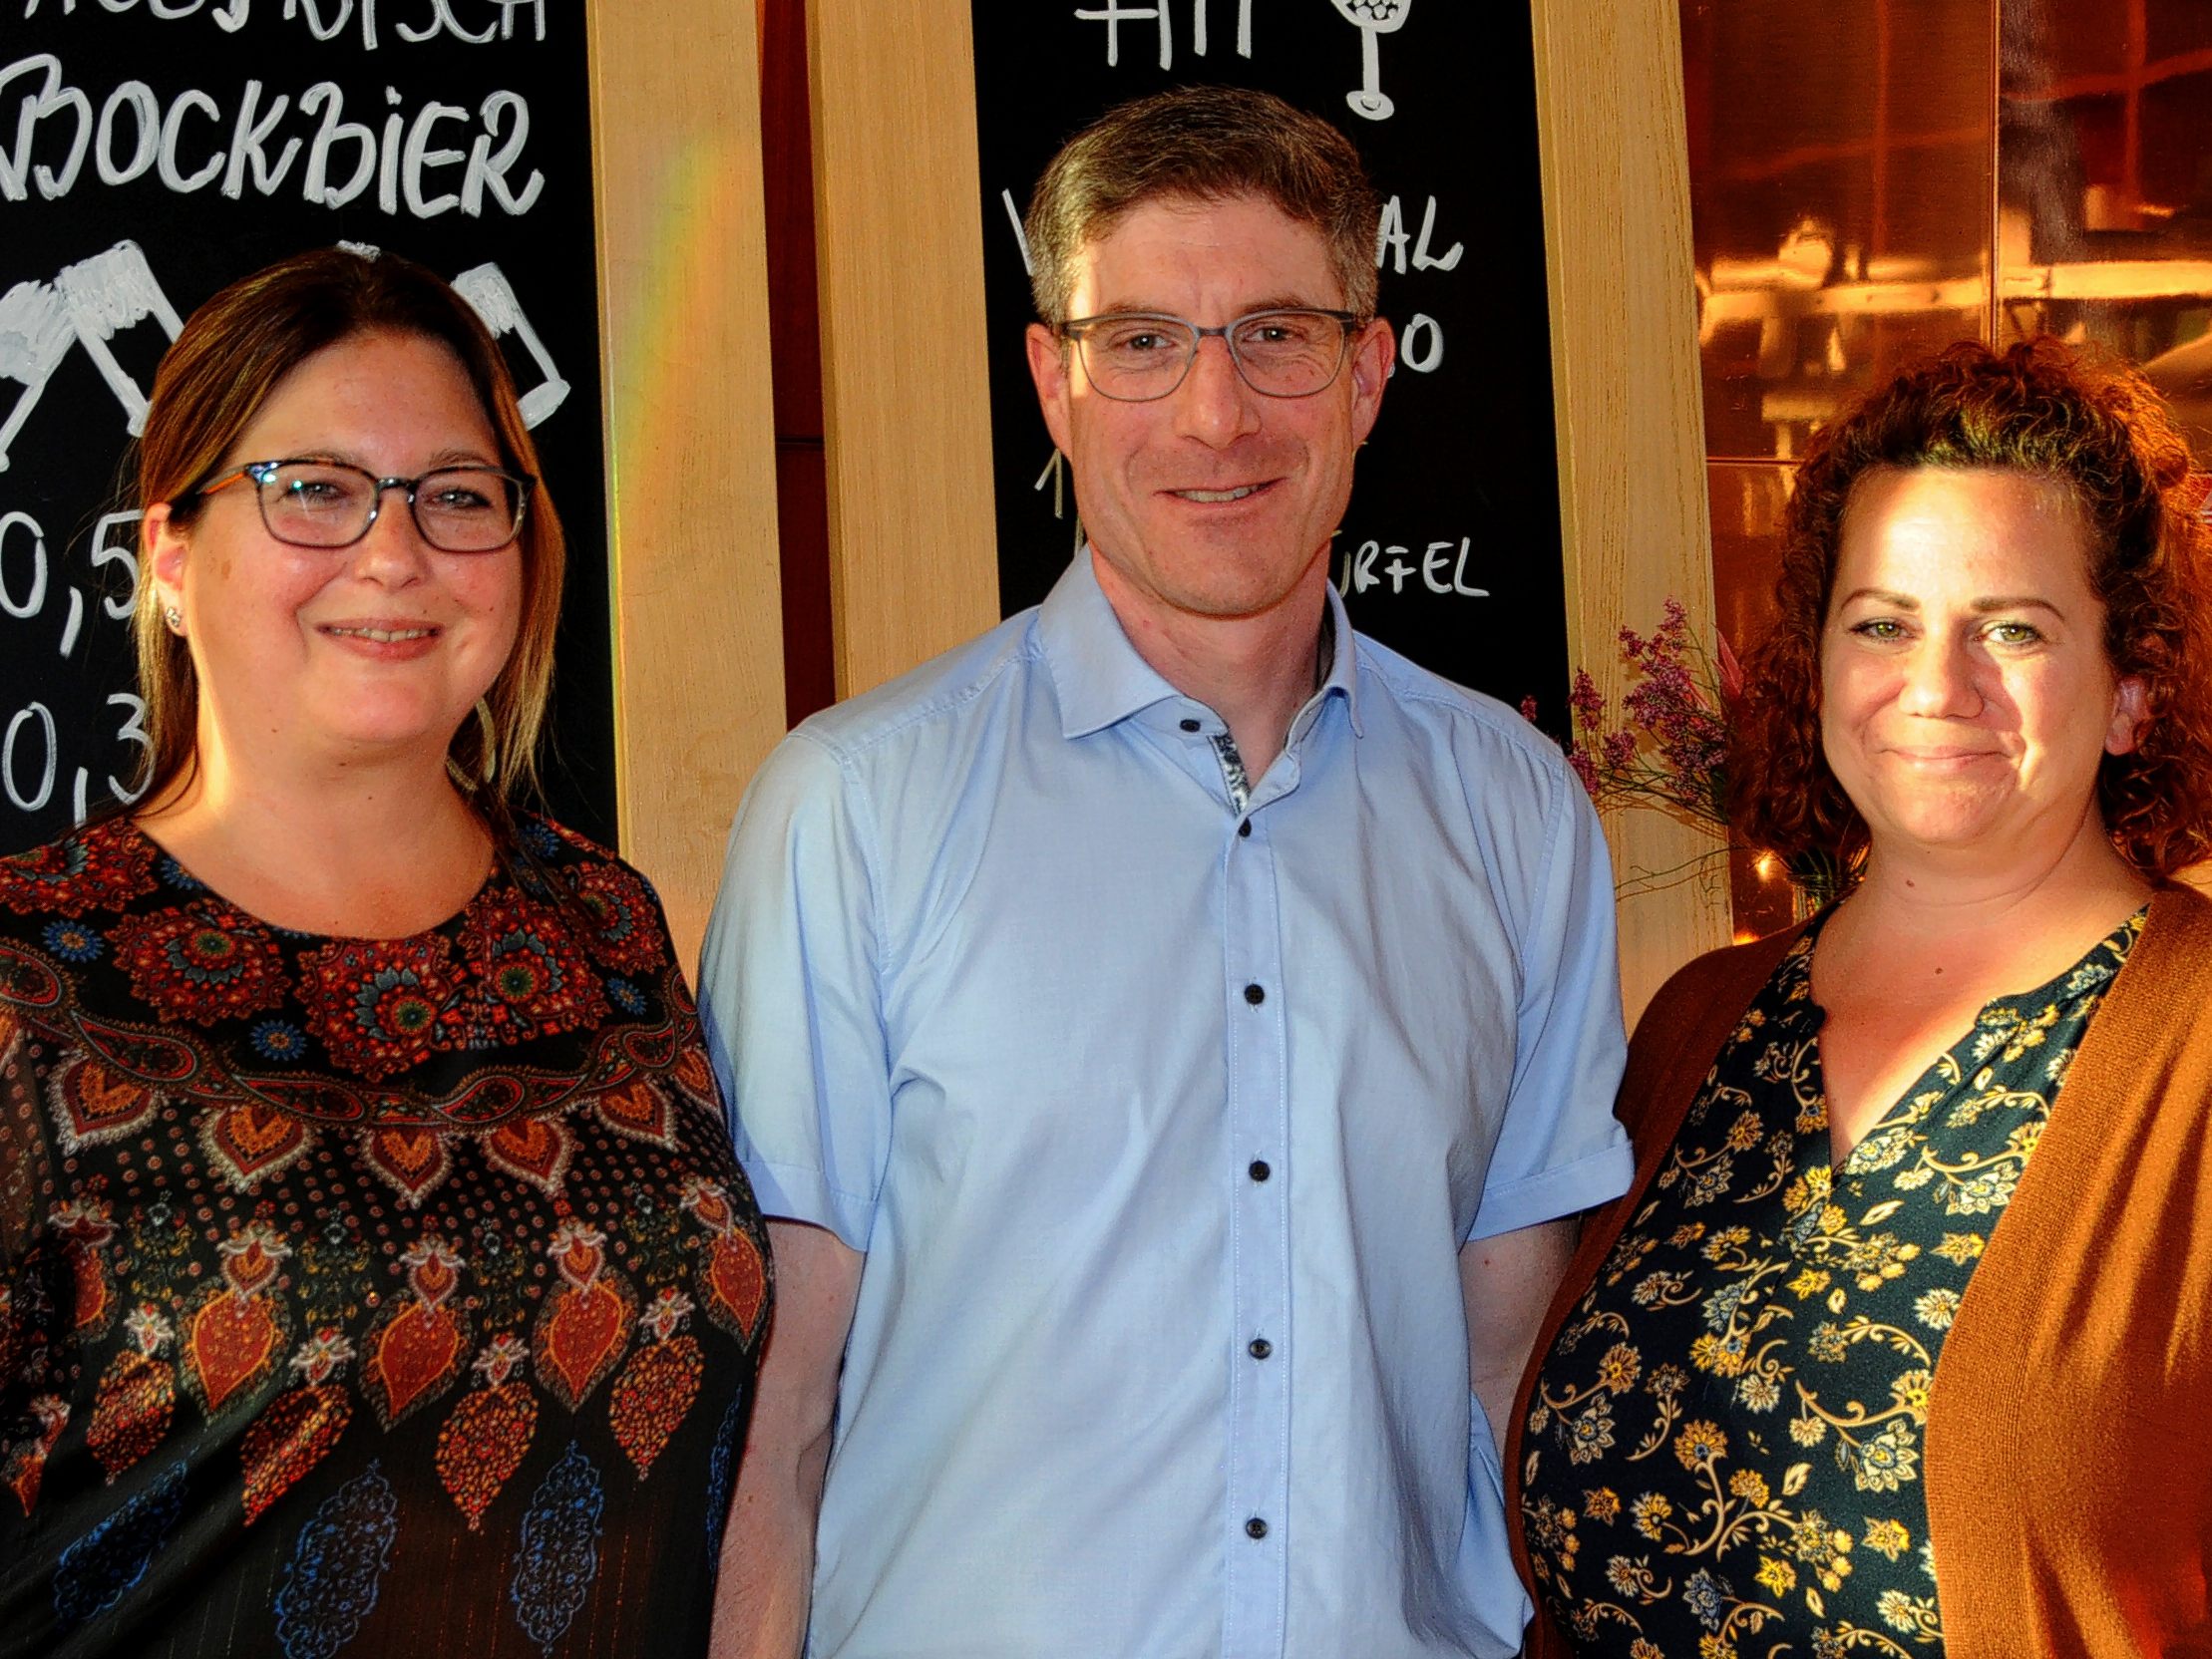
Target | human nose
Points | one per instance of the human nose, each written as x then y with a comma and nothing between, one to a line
392,550
1941,681
1214,405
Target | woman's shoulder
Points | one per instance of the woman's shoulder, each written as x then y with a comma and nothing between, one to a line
1686,1023
100,866
1718,985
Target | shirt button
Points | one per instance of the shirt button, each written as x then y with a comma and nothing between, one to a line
1244,829
1259,1170
1261,1348
1255,995
1190,724
1256,1527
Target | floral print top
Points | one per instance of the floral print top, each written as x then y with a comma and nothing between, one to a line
1723,1452
361,1296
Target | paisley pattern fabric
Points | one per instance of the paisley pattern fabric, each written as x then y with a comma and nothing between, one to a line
1723,1443
356,1294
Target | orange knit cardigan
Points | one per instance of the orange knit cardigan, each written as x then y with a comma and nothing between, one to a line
2069,1459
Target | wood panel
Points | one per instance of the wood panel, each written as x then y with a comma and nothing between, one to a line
1627,406
690,439
906,413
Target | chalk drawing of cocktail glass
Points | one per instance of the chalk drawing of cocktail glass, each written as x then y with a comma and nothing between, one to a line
1372,18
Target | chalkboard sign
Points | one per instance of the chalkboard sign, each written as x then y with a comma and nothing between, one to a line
1450,548
151,152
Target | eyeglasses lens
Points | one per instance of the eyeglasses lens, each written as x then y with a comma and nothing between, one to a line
1281,354
461,509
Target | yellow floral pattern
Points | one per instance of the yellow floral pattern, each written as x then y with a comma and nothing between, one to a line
1723,1452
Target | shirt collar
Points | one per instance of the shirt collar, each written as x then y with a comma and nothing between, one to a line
1101,679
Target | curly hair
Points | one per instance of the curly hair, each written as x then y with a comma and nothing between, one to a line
2053,411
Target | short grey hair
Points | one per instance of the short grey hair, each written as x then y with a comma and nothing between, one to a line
1202,144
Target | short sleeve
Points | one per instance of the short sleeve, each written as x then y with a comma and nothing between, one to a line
1559,1149
790,996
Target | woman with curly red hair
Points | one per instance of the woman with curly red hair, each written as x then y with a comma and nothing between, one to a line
1902,1341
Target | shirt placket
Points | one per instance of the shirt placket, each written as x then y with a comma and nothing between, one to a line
1256,1522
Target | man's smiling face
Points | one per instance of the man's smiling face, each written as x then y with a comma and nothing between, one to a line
1214,500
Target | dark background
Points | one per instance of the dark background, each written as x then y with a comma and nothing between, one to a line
67,463
1464,450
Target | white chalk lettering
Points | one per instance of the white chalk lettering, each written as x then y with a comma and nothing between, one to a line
133,730
331,99
1391,241
1459,572
246,138
172,123
51,98
38,797
104,553
442,21
1114,14
137,97
486,171
331,29
1421,346
132,133
421,158
387,173
33,600
1439,570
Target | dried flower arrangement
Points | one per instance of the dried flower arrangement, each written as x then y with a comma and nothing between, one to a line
1673,752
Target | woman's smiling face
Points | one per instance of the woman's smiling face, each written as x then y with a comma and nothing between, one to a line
320,655
1966,702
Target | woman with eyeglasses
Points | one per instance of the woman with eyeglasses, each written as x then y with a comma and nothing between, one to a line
375,1272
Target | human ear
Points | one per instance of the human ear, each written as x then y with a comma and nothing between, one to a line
2129,700
163,548
1372,355
1049,366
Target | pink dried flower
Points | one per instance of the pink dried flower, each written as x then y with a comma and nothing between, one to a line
1588,702
1580,761
1732,670
1528,710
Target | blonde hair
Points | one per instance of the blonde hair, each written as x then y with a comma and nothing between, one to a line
213,381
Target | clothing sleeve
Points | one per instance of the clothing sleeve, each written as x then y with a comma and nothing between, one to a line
790,996
1559,1149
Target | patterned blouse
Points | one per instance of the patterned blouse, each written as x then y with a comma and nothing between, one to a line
1724,1441
361,1296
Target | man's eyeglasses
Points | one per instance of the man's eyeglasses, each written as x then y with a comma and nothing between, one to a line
1136,356
327,503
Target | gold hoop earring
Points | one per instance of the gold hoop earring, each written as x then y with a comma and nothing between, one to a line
487,732
491,733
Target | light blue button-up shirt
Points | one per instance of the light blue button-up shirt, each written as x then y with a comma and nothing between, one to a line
1162,1138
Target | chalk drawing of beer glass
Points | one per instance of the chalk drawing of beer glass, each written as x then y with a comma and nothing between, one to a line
1372,18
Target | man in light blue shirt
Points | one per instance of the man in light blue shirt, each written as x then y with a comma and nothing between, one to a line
1171,1035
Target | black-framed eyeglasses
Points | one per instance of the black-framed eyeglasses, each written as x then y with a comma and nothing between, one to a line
331,504
1137,356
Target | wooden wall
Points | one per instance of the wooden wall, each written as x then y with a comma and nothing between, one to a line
691,497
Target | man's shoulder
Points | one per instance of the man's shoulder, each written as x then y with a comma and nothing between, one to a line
962,684
1394,685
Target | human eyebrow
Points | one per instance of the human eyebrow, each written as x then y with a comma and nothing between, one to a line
1878,596
2025,601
